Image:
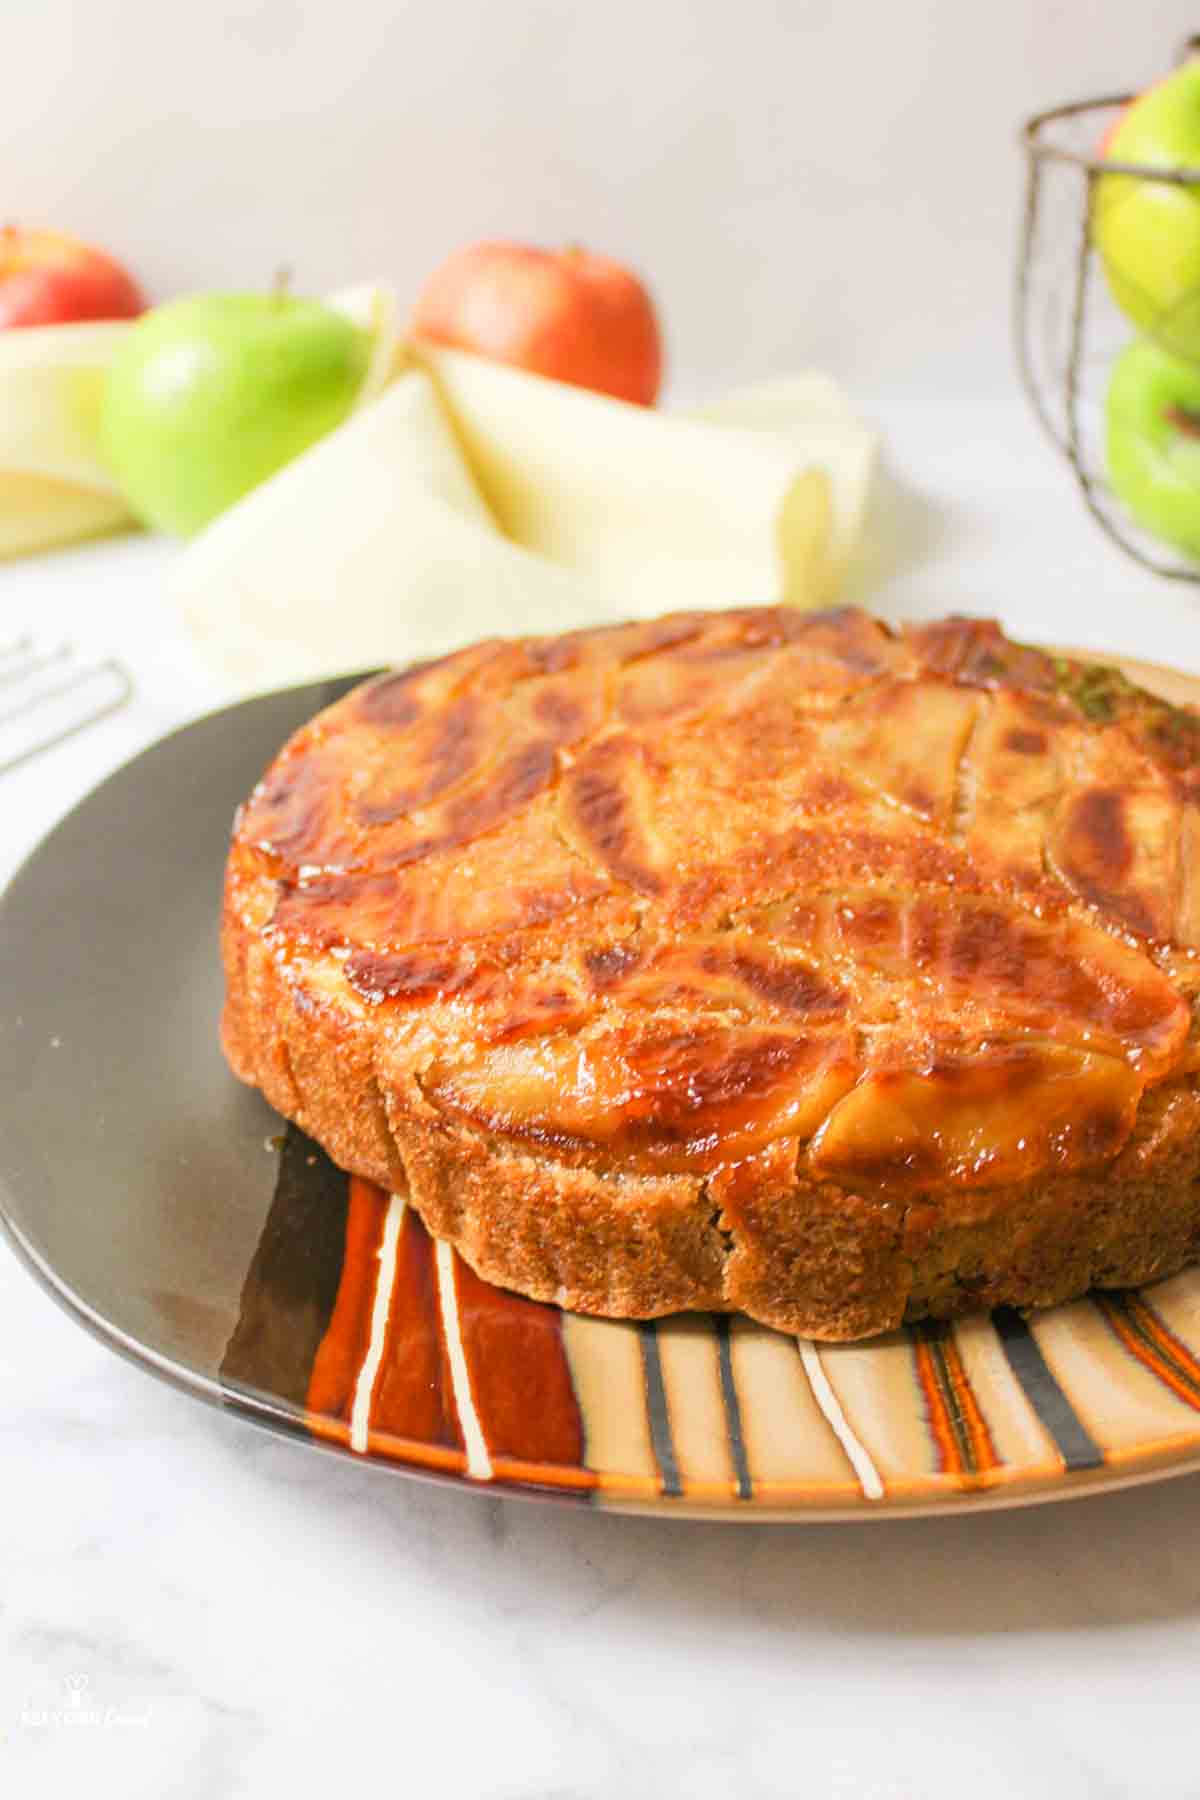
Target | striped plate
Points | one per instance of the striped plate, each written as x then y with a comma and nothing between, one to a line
135,1183
406,1356
417,1361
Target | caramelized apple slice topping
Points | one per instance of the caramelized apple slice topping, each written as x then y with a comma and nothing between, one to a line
607,810
950,951
905,740
730,970
1002,1115
1013,782
672,1099
1118,848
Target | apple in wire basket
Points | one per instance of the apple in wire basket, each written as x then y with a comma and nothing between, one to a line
1148,231
1152,442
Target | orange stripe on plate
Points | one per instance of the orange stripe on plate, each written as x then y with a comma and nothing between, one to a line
959,1429
1147,1338
520,1381
533,1425
342,1349
414,1395
412,1414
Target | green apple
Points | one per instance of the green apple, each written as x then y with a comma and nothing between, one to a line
1148,232
1153,442
209,395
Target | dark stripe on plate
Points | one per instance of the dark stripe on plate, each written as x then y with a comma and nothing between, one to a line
291,1285
661,1441
1075,1444
733,1410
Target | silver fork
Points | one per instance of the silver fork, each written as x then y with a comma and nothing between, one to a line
47,695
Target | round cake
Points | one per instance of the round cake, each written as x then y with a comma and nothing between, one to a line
758,960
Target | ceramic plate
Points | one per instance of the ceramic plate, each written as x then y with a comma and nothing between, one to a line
170,1210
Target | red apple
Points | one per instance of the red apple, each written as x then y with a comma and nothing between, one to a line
47,278
567,314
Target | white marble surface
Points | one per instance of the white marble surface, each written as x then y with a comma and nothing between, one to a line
189,1608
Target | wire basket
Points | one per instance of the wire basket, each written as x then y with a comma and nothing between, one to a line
1069,329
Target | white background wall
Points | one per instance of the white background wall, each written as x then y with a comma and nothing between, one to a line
802,180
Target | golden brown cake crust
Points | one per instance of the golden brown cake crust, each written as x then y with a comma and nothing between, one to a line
753,960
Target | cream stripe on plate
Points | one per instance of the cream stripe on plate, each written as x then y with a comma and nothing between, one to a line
605,1360
1177,1303
385,1278
1121,1402
789,1441
479,1463
827,1400
691,1370
1021,1440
